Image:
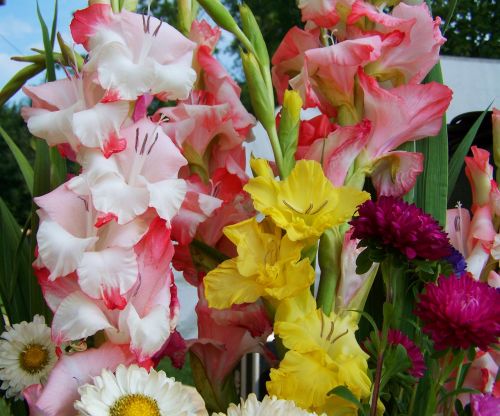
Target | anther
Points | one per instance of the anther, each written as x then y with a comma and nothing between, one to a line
332,327
319,208
339,336
322,324
136,139
292,208
144,144
309,208
152,145
158,28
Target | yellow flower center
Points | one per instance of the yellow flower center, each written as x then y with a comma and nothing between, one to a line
34,358
135,405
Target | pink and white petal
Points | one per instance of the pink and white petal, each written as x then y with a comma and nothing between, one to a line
162,159
127,235
77,317
54,292
321,12
94,125
149,332
55,95
31,394
72,372
55,127
111,194
87,21
174,81
60,251
117,71
409,112
111,268
67,209
167,196
396,173
203,34
338,151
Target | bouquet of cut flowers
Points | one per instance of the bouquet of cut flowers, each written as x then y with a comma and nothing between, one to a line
341,249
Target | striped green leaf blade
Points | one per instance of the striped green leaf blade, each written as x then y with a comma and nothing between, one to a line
431,193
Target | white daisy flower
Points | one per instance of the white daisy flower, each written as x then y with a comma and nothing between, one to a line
270,406
132,391
27,355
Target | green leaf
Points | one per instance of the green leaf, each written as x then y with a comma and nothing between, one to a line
346,394
457,160
22,162
432,184
58,168
451,11
19,79
49,57
54,26
4,408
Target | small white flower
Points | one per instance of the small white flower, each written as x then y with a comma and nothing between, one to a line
133,391
27,355
270,406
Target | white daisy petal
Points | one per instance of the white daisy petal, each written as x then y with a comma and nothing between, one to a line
134,388
269,406
27,355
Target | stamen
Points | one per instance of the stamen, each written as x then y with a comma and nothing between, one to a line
152,145
136,139
144,144
332,327
144,23
339,336
319,208
68,75
292,208
309,209
148,23
158,28
322,323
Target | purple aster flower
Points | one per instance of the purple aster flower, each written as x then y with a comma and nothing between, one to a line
460,312
484,405
417,368
457,262
393,223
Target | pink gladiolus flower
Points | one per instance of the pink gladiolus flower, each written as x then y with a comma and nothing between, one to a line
224,336
103,257
408,61
144,175
480,174
151,307
134,54
56,398
71,111
321,12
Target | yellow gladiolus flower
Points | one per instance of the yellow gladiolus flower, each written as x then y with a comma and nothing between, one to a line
267,265
306,203
323,354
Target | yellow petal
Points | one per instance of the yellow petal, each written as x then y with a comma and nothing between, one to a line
225,286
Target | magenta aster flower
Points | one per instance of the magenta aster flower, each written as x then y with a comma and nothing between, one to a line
460,312
484,405
393,223
416,357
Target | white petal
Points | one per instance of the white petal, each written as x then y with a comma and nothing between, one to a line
111,194
53,126
175,81
93,126
113,267
149,333
167,196
60,251
77,317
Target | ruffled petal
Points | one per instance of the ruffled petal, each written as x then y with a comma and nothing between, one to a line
167,196
60,251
